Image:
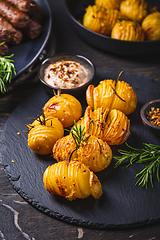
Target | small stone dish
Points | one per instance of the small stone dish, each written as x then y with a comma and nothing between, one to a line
85,62
143,113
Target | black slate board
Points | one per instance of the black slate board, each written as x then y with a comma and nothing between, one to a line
122,204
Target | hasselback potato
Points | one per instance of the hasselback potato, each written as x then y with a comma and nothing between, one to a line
94,122
72,180
43,134
135,10
125,98
112,128
109,4
100,20
117,130
65,107
110,94
128,31
151,26
42,120
93,152
92,19
63,148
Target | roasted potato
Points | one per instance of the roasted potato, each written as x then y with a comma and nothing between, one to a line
110,94
71,180
100,20
135,10
65,107
43,135
151,26
94,121
127,30
112,128
125,98
63,148
117,130
108,4
93,152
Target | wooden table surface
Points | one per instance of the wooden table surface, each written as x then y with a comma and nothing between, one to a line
18,219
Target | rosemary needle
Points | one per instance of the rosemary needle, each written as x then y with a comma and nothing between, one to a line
78,134
149,155
6,70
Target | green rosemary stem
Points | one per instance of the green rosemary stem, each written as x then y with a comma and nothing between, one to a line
149,155
7,69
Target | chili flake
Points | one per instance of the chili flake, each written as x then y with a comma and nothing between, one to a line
153,116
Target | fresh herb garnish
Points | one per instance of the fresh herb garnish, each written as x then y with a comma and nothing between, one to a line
117,94
78,134
6,70
149,155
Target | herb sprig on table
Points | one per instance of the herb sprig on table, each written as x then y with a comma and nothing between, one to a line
7,69
149,155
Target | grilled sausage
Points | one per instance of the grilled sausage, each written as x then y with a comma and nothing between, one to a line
33,30
23,5
14,16
31,8
37,14
17,37
8,33
6,30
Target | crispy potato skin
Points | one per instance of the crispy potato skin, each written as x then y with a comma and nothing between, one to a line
104,95
65,107
126,92
94,121
109,4
93,152
72,180
63,148
100,19
117,130
128,31
112,127
151,26
135,10
41,138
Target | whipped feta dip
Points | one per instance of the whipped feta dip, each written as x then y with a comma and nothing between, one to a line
66,74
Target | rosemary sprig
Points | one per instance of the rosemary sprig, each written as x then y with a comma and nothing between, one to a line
115,90
117,94
78,134
6,70
149,155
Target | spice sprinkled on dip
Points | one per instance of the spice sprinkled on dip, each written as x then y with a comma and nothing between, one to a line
66,74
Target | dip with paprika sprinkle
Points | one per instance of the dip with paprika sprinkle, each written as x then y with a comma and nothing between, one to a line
66,74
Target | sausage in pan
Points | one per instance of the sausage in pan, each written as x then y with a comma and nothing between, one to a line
30,7
33,30
14,16
23,5
8,33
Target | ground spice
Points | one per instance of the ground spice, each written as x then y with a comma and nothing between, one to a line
153,116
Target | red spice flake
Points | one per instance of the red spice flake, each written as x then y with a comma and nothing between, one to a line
153,116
